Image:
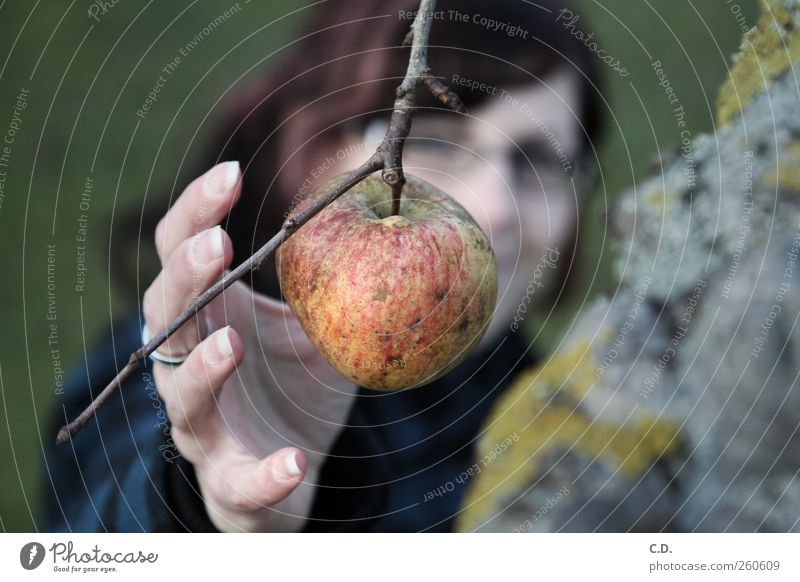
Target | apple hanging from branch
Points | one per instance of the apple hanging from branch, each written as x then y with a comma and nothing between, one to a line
387,158
392,301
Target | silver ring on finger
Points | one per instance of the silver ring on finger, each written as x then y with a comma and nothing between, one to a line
156,356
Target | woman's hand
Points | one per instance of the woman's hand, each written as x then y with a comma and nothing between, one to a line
254,407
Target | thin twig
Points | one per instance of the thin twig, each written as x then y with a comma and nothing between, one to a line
387,157
443,93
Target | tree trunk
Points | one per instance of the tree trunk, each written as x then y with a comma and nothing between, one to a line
674,404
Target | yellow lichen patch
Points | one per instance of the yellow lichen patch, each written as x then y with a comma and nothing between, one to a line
656,198
768,50
787,176
541,409
659,199
572,372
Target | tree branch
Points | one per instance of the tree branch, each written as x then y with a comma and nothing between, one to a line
387,157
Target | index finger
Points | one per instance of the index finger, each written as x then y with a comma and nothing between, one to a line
203,204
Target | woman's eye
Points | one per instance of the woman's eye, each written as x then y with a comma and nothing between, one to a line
530,158
527,153
523,162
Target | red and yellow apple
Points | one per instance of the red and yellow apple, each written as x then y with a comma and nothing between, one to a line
392,302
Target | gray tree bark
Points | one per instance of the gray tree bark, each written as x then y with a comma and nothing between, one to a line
674,405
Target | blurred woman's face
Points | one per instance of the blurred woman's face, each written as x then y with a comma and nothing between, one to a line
509,164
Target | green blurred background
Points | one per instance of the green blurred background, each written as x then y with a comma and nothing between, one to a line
86,78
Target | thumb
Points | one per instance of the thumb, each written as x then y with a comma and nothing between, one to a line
242,493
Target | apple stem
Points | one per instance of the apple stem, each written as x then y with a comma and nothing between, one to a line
397,190
387,158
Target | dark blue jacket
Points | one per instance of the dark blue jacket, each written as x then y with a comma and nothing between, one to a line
119,473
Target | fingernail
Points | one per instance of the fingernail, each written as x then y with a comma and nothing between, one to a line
231,175
207,247
224,343
222,348
293,464
216,242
